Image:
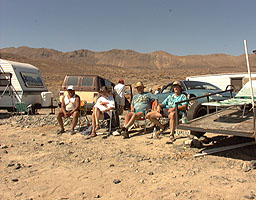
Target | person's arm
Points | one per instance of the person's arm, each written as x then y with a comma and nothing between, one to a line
182,107
159,108
77,105
110,104
132,104
63,107
132,108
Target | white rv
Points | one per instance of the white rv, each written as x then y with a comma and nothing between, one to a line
223,80
21,82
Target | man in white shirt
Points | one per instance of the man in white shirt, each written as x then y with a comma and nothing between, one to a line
69,107
119,95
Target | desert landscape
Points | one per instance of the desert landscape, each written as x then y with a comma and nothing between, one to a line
35,163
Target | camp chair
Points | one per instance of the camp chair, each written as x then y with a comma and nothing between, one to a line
83,111
110,122
242,98
143,119
21,107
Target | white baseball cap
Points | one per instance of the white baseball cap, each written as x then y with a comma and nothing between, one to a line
71,87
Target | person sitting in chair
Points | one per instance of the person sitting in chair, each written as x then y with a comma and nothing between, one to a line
167,108
69,107
101,109
140,103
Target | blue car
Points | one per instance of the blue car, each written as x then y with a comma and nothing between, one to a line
195,89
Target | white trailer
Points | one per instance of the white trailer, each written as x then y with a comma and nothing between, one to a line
21,82
223,80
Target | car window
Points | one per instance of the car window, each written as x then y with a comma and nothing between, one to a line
72,80
101,82
108,83
87,81
200,85
168,89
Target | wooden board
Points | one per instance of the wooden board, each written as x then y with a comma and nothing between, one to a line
228,121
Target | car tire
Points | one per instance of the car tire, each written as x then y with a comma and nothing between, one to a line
195,110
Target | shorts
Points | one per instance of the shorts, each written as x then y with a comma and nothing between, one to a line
165,112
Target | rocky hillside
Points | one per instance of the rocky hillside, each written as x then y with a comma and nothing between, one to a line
130,58
153,69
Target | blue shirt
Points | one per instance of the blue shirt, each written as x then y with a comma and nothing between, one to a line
170,101
142,101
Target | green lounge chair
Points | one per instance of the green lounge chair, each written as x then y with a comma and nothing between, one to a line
242,98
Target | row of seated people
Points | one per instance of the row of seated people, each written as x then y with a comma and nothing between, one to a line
140,104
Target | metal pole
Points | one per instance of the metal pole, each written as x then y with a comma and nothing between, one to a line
249,70
250,79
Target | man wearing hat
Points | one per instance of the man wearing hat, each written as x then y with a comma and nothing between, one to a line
101,109
167,108
140,103
69,107
119,95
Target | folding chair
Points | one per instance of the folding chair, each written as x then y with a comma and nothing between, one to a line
242,98
83,110
21,107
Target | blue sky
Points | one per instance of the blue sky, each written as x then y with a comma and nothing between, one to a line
180,27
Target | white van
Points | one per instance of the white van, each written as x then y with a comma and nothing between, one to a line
21,82
223,80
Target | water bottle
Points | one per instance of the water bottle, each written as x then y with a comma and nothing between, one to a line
184,119
154,133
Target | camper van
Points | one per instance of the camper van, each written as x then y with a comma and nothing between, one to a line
223,80
22,83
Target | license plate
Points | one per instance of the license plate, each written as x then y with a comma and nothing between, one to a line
182,132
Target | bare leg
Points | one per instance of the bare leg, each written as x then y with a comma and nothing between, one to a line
132,118
96,116
93,123
152,116
128,117
172,123
59,118
75,120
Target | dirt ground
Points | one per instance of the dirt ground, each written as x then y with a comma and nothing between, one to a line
35,164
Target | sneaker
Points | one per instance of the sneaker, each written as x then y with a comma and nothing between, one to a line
116,133
125,134
72,132
130,128
59,132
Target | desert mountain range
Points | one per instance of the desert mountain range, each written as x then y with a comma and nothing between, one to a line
130,58
153,68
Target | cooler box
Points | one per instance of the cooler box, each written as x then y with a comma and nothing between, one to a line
46,99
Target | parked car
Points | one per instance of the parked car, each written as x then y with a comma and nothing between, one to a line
195,89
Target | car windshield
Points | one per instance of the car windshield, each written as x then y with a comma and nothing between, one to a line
200,85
